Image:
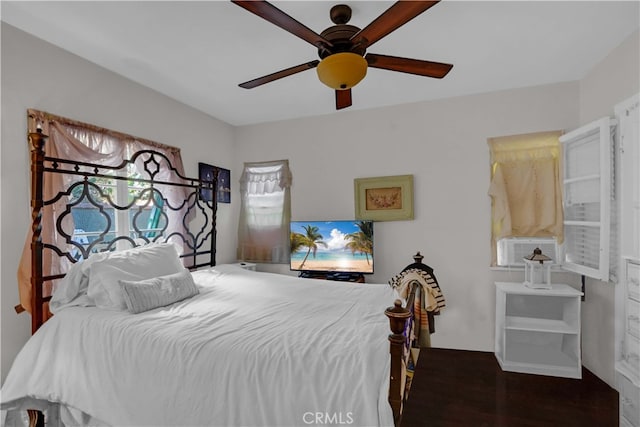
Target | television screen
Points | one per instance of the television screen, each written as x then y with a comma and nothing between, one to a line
332,246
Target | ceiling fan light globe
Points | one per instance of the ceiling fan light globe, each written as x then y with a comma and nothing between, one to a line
342,71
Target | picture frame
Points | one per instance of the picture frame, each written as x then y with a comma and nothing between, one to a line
206,172
385,198
224,185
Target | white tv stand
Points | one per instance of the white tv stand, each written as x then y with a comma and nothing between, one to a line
538,330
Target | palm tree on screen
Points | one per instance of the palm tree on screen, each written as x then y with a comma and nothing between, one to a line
311,239
297,241
362,241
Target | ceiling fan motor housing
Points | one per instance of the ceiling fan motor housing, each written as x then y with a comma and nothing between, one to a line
339,36
343,65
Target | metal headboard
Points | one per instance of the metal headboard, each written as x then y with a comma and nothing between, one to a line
197,209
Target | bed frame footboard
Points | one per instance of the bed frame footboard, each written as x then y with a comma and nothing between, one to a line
400,342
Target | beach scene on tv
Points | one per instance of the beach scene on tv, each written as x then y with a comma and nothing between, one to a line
340,246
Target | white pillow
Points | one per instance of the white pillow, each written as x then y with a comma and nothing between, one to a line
157,292
74,283
145,262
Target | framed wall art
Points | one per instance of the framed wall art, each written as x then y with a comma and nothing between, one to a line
206,173
385,198
224,185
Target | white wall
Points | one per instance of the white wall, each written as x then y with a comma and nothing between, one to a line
443,144
614,79
38,75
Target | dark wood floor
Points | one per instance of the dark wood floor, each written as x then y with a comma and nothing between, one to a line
468,388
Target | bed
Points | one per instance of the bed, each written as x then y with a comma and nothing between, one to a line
194,343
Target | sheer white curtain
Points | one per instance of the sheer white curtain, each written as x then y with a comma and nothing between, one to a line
265,212
70,139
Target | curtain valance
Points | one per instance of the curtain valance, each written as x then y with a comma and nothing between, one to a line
265,177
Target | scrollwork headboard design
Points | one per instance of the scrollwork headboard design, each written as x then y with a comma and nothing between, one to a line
159,205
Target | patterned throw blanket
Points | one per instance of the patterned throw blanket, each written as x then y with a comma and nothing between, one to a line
428,302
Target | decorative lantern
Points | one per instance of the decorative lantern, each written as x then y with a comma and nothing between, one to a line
537,272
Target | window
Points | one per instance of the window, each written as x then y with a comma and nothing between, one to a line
69,139
91,214
265,211
587,179
526,195
544,187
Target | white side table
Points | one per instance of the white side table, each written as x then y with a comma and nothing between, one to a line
538,330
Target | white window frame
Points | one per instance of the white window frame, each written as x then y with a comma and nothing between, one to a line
599,132
122,221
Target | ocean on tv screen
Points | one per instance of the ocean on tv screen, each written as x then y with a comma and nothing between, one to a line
337,246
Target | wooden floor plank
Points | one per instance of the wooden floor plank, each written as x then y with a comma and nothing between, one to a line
456,388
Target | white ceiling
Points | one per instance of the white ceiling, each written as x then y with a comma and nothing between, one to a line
198,52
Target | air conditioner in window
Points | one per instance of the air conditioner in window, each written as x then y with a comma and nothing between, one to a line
511,251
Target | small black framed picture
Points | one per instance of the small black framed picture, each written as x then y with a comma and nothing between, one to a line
224,185
206,172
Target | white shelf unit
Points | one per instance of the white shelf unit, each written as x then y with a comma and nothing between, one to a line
538,330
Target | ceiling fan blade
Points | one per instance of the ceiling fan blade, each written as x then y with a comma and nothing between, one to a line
279,74
393,18
277,17
406,65
343,99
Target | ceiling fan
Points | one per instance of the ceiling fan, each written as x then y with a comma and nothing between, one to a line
342,48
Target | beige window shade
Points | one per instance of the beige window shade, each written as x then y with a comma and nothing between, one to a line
525,189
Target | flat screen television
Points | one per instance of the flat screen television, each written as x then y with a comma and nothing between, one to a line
332,246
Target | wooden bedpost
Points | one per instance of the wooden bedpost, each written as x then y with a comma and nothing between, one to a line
36,144
398,316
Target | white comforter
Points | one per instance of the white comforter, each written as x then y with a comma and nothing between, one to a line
252,349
